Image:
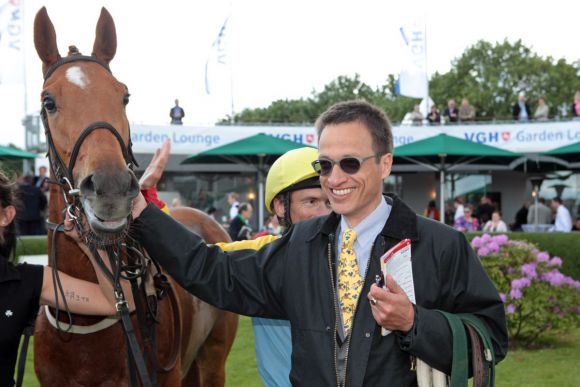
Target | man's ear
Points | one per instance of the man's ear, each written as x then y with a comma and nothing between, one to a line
386,164
7,216
279,209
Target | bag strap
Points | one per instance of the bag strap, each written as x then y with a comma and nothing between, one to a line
459,364
488,352
28,331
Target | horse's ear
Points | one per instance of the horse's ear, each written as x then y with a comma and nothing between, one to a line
105,45
45,39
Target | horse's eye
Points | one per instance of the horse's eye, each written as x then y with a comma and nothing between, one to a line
49,104
126,99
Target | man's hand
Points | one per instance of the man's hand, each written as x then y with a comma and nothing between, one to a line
156,167
391,309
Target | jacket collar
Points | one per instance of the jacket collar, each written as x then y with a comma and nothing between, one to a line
402,222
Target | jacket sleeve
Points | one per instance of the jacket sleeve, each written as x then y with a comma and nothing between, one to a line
246,281
465,288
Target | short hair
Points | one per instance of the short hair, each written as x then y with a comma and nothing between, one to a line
243,207
369,115
557,199
233,195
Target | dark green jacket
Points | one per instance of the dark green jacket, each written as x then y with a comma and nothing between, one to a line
293,278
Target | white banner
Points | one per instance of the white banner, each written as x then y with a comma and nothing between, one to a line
413,77
11,42
517,137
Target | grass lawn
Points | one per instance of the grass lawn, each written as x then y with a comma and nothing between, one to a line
552,366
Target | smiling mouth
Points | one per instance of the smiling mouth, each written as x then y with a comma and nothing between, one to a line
342,192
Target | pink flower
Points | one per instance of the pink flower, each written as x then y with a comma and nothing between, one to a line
500,239
516,294
483,251
503,297
511,309
493,247
542,257
477,242
556,261
529,270
486,238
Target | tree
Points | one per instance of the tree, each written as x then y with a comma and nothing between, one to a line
492,76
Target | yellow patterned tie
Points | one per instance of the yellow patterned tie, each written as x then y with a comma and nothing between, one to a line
349,279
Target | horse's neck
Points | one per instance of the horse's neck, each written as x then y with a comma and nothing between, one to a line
69,257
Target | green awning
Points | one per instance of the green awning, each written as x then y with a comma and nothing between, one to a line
7,152
569,152
247,150
444,145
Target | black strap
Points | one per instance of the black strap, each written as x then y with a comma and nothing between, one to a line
28,331
74,58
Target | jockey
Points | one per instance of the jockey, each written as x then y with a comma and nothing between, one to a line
293,193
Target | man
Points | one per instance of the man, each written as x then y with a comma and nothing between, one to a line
521,109
239,229
234,205
30,214
451,113
539,213
293,194
176,113
466,111
563,221
301,277
40,180
484,210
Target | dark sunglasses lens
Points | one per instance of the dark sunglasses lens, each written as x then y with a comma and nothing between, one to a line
350,165
324,167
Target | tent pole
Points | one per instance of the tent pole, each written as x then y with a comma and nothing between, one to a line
441,198
260,203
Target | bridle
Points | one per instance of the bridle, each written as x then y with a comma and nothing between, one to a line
138,264
64,174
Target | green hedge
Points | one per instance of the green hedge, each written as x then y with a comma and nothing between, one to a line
563,245
31,245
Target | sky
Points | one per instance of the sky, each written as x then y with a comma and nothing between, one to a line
274,49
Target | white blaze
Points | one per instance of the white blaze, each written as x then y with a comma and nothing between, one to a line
76,76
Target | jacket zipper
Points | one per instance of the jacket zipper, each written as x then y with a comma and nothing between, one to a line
348,338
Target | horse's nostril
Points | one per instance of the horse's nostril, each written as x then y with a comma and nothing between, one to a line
88,186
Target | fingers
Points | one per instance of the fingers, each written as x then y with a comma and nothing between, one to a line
393,286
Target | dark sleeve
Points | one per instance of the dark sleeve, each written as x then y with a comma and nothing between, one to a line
247,282
466,288
32,278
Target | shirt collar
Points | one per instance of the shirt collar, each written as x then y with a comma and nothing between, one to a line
371,226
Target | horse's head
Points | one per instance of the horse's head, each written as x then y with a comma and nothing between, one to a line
83,108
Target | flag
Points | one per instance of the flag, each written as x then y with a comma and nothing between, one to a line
11,40
217,56
413,77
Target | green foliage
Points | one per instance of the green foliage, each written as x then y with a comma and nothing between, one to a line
538,298
490,75
31,245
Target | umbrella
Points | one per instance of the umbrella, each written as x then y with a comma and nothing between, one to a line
259,150
570,153
443,153
7,152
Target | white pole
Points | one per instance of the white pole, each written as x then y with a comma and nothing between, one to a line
441,195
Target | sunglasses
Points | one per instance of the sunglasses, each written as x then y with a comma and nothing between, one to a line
350,165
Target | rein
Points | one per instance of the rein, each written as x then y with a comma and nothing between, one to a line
137,265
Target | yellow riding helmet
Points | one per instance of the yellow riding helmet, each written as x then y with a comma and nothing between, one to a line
288,170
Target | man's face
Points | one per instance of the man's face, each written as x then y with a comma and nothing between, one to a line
308,203
42,171
247,214
354,196
451,104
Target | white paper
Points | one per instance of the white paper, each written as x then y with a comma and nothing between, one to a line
397,263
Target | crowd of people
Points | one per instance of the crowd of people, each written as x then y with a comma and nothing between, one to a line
466,113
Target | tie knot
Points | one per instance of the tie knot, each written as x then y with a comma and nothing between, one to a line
349,237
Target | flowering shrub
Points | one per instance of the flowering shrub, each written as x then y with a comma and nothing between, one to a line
538,298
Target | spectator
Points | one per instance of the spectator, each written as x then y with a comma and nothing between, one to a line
495,224
521,217
176,113
459,209
451,114
467,222
239,229
466,111
234,205
29,217
521,109
563,221
40,181
417,116
576,226
431,211
544,214
434,117
484,210
542,111
576,106
449,213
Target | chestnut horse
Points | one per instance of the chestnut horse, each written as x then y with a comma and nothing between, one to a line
83,110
